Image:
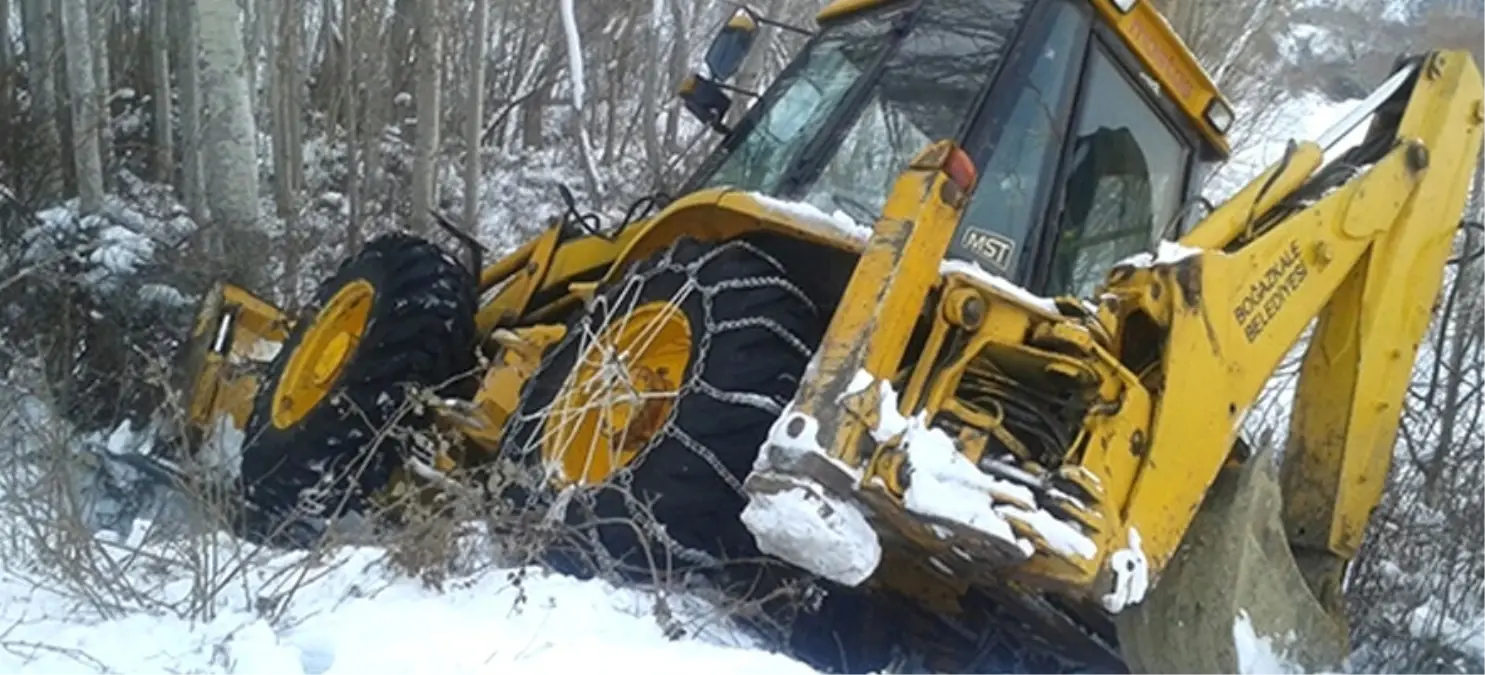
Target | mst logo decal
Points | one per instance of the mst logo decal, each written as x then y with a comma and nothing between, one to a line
1267,295
988,247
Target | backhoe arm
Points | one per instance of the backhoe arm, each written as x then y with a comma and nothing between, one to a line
1364,256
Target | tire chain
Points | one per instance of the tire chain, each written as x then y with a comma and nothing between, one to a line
535,481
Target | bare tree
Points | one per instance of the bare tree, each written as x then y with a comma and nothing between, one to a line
430,91
159,53
85,110
99,23
229,154
475,112
184,24
578,86
39,18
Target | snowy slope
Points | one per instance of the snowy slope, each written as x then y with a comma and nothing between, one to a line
353,614
157,599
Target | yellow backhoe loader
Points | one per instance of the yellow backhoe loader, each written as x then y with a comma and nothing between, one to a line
940,320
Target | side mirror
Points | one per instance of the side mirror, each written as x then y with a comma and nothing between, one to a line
704,93
731,45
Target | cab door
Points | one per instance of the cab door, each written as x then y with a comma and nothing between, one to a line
1127,167
1017,139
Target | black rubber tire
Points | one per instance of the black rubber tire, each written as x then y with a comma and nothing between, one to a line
767,289
420,332
694,497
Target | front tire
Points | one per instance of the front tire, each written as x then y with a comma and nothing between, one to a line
404,313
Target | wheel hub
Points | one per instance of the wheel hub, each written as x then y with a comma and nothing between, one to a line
328,344
619,394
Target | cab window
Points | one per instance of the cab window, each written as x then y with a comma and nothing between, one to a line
1017,146
1124,180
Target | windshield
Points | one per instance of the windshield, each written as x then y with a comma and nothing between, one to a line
924,92
801,102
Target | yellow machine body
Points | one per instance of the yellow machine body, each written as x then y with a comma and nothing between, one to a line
1164,362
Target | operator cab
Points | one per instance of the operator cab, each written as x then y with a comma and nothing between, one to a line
1089,124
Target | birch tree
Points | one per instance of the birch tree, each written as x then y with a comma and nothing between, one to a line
577,77
474,113
229,155
85,110
430,90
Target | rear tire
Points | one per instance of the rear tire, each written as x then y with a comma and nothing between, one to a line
419,333
753,332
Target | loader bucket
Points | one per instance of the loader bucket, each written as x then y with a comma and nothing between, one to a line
232,331
1233,600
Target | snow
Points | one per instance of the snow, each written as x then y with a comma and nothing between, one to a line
942,483
801,522
1256,654
804,524
264,350
1167,253
1305,117
352,613
980,275
810,215
121,250
222,449
574,53
1131,575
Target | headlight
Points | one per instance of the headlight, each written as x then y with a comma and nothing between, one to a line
1219,115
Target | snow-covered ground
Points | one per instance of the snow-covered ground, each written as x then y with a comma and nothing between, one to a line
156,598
354,614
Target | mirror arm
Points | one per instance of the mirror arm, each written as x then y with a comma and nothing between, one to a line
739,90
753,14
779,24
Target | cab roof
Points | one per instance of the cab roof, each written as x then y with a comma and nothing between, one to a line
1146,34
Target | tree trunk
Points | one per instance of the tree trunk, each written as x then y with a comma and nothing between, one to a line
576,75
353,160
649,101
100,20
38,18
251,38
228,140
185,28
680,50
85,114
373,108
5,60
159,51
400,46
430,90
475,114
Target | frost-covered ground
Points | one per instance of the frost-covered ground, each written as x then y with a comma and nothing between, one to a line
158,598
352,614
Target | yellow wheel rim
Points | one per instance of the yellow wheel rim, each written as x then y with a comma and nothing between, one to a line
328,344
619,393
